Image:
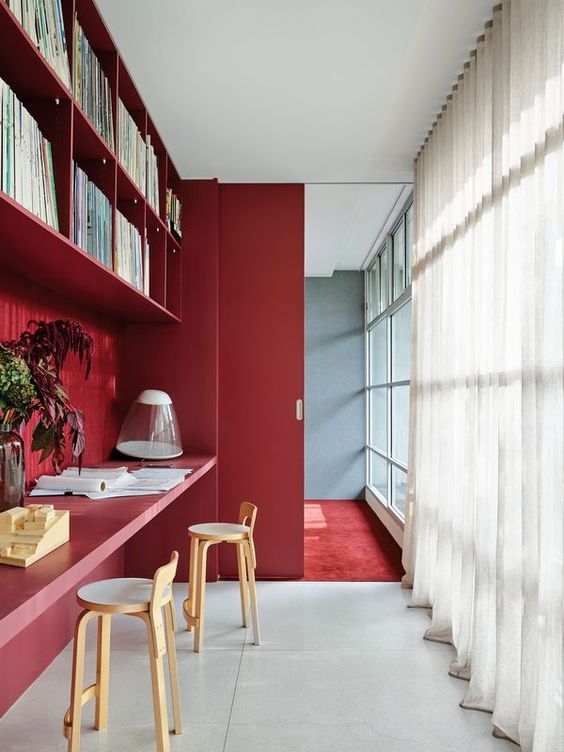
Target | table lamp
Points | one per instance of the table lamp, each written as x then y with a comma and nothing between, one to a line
150,430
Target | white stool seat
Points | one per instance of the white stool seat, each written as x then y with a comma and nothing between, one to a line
224,530
123,595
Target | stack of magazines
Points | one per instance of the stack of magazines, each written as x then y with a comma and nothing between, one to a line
43,21
128,261
152,189
91,87
26,159
132,148
173,214
92,218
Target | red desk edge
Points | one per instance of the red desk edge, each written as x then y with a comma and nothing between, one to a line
16,616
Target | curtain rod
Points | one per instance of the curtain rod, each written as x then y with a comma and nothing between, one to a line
473,53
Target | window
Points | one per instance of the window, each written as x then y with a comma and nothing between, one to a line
388,332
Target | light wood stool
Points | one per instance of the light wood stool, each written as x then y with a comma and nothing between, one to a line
206,535
132,597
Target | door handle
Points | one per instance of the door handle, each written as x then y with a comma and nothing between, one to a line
299,409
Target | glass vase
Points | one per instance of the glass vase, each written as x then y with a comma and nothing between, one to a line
12,469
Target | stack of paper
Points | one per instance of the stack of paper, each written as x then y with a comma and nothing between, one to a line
159,479
108,482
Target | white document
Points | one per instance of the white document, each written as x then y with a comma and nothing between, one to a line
162,472
112,482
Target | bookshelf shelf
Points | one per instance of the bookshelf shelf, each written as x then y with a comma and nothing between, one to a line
86,140
127,188
35,250
173,242
153,218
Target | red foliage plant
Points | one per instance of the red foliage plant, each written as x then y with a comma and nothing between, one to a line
44,347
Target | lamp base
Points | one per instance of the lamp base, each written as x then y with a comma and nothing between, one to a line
149,450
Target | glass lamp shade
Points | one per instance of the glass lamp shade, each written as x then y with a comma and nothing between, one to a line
150,430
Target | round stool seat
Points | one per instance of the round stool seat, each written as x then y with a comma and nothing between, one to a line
224,530
124,595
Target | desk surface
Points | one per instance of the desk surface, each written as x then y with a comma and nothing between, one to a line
97,529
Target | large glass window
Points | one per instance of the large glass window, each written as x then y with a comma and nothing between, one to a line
388,331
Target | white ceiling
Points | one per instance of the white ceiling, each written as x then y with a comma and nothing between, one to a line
294,90
344,223
334,93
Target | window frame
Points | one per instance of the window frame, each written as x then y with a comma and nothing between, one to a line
375,315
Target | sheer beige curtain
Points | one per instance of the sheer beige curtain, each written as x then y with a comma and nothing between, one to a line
485,519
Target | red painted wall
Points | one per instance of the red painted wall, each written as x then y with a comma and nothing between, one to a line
261,356
182,359
20,301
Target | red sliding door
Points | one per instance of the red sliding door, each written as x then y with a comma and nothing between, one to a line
261,366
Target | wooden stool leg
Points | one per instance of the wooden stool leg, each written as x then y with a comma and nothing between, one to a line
72,730
159,690
103,672
173,666
253,591
201,595
190,602
242,583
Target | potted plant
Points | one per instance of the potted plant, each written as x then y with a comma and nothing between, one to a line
31,387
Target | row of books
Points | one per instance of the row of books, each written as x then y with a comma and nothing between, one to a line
91,86
26,159
152,187
92,218
132,147
138,157
173,214
43,21
26,153
132,254
93,233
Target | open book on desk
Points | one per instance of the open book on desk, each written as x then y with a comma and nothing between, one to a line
111,482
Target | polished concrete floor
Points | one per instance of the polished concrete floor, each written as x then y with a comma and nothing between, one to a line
342,668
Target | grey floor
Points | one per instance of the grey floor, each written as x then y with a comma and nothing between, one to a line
342,668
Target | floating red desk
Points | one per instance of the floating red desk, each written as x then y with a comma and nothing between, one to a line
98,532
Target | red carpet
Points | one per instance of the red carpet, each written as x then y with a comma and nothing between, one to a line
345,542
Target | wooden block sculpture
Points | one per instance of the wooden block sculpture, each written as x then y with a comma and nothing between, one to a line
29,533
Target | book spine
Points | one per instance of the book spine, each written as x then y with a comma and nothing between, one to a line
92,218
44,23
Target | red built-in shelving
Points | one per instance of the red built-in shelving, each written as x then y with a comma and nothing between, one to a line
38,252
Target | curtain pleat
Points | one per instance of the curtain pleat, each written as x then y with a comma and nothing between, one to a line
485,512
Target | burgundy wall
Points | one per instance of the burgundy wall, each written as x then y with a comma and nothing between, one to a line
20,301
182,359
242,318
261,354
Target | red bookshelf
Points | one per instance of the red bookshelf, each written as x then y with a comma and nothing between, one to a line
37,251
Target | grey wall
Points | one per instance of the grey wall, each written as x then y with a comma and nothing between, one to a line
334,387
